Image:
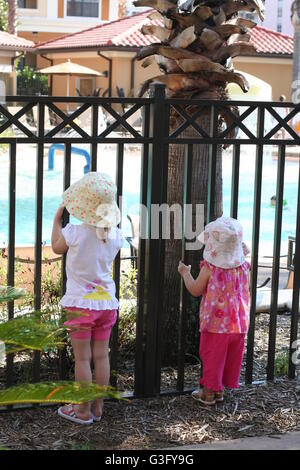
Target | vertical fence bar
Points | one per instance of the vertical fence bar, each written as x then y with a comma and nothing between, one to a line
66,216
94,145
66,183
11,249
296,296
235,180
164,197
154,278
183,292
38,228
140,318
117,269
255,244
212,167
276,262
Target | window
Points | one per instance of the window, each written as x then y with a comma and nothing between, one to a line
32,4
249,16
84,8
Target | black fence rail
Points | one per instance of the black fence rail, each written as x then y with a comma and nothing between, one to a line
155,137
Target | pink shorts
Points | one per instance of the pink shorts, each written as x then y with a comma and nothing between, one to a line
93,324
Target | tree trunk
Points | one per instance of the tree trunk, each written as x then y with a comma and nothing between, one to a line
199,194
12,16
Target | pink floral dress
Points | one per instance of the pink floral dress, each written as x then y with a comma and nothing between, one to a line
225,304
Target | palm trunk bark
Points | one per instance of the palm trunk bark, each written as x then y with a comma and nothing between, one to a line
194,44
199,195
12,16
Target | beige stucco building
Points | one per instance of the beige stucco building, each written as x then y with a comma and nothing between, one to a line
105,43
10,48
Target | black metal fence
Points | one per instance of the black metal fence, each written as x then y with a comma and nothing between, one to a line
155,137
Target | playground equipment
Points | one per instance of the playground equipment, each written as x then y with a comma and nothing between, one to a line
76,150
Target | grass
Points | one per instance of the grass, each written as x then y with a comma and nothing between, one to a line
81,446
281,366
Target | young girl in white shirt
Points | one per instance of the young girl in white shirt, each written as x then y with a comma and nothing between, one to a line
89,300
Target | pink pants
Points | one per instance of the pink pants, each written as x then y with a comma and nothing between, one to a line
92,324
221,355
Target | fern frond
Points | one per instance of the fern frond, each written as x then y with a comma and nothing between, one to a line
31,332
56,392
7,293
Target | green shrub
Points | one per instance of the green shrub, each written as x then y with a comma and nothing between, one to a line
33,332
127,311
281,365
30,82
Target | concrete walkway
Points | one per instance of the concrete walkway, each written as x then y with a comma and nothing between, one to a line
290,441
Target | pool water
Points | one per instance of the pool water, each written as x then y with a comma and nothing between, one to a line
53,188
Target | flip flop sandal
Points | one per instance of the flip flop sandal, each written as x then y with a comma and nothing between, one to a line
198,394
70,415
219,398
96,419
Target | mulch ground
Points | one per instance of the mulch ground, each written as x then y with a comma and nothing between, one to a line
166,421
255,410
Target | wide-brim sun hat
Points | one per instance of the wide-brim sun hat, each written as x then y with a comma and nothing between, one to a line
224,246
92,200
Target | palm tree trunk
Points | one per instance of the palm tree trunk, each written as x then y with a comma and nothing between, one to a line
199,195
12,16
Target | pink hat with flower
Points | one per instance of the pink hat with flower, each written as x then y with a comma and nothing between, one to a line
92,200
224,246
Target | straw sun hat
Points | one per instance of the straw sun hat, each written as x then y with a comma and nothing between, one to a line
92,200
224,246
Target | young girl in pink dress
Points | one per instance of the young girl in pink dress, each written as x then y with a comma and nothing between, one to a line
223,283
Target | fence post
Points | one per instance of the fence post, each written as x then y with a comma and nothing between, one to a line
149,384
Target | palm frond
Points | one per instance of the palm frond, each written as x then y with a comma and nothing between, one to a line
209,33
56,392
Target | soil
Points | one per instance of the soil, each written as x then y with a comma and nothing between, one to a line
163,422
253,410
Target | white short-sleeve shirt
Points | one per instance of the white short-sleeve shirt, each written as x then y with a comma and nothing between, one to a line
88,265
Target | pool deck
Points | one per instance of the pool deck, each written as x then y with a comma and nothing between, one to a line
27,253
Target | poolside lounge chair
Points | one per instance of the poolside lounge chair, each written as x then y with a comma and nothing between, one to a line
23,120
47,122
263,300
285,296
85,122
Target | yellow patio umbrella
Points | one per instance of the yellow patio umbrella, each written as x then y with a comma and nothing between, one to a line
70,68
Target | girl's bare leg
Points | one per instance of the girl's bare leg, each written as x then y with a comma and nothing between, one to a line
100,352
83,373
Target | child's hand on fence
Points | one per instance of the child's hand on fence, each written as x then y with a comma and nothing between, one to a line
59,212
246,250
183,268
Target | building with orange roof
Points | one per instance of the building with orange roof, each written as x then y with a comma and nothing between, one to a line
112,47
11,46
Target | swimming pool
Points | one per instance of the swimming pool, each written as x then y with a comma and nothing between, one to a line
53,188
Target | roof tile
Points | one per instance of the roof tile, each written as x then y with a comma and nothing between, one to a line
125,32
10,41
